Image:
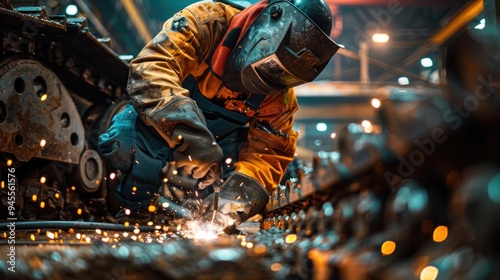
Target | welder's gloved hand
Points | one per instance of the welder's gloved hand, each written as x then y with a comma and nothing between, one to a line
241,197
198,154
182,124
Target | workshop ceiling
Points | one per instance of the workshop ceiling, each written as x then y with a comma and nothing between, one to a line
409,23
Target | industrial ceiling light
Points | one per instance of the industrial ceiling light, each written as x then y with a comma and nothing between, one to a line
426,62
481,24
321,127
376,103
404,81
71,10
380,38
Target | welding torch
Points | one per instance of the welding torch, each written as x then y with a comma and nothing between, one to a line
217,188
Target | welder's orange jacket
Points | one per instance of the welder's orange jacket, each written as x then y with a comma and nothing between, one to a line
182,49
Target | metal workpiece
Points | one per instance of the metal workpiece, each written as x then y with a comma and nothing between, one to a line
39,119
58,81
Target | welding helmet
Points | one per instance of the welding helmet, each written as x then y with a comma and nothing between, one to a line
287,44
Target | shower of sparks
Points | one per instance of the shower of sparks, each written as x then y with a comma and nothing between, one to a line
199,230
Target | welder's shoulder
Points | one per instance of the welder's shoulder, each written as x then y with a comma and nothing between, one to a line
210,11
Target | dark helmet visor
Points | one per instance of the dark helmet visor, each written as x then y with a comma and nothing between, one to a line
282,48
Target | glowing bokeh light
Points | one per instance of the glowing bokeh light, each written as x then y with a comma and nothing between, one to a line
291,238
376,103
388,247
429,273
440,234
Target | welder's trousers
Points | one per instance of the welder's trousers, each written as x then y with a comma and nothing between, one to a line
140,153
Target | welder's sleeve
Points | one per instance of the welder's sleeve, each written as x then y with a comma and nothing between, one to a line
154,86
266,155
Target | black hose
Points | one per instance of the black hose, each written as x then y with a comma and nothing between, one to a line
34,225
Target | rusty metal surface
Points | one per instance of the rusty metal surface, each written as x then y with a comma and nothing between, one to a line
41,119
58,81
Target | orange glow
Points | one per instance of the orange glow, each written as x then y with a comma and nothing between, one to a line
276,267
388,247
151,208
260,248
440,234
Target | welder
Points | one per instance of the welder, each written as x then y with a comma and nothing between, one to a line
213,94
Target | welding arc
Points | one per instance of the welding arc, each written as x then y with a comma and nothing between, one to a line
34,225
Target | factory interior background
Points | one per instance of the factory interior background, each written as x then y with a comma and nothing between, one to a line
397,172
